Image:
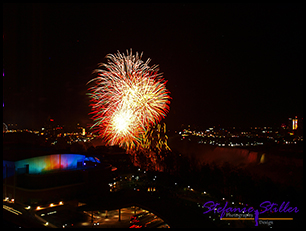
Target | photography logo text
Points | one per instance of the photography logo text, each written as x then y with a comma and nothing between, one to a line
249,213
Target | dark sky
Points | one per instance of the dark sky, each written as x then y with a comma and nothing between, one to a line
227,64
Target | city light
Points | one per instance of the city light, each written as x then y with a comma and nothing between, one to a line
294,123
256,136
12,210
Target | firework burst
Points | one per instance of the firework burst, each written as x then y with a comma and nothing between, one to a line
127,98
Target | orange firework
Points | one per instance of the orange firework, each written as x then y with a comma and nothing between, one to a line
127,98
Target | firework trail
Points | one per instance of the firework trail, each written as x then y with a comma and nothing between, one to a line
155,139
127,98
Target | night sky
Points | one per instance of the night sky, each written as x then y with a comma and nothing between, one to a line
227,64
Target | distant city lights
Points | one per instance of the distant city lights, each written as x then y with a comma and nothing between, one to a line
254,136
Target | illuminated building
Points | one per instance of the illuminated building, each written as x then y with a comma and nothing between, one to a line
295,123
56,176
43,164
